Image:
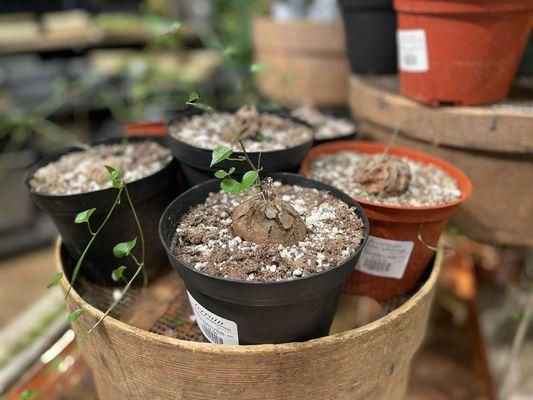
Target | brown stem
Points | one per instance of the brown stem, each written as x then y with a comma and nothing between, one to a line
247,157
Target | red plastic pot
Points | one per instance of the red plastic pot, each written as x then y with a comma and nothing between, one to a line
400,226
146,128
460,51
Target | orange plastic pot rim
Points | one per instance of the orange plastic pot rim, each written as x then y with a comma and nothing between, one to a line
360,146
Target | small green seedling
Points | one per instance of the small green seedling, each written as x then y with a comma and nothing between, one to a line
228,183
121,250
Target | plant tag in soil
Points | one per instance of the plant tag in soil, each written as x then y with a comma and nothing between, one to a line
412,50
216,329
384,257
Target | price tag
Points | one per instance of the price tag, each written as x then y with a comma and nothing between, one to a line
216,329
384,257
412,50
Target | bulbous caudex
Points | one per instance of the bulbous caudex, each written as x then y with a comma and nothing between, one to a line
384,175
266,219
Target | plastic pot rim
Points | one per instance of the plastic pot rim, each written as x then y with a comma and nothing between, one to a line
277,152
451,7
375,147
335,192
58,154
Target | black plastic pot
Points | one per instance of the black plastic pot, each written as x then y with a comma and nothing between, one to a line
264,312
195,161
150,196
370,27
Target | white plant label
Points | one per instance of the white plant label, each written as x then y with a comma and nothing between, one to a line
412,50
384,257
216,329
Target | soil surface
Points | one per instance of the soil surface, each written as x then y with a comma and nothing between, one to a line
207,131
205,240
324,126
429,185
84,171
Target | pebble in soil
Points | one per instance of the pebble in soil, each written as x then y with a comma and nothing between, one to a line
428,185
204,239
84,171
207,131
325,126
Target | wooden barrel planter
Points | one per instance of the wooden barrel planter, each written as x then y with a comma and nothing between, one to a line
370,362
493,145
304,60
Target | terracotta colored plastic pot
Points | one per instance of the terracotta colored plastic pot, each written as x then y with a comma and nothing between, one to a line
460,51
146,128
400,226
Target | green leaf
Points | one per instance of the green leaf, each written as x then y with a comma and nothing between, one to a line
453,230
257,67
117,183
518,315
176,26
220,153
221,174
228,51
74,315
84,216
248,179
124,249
177,321
230,185
55,280
117,274
193,97
113,173
28,395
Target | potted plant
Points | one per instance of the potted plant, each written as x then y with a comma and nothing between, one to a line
370,27
281,143
86,206
326,126
264,265
458,52
408,197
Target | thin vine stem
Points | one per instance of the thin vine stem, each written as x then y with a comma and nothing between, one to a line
93,237
247,157
118,300
141,235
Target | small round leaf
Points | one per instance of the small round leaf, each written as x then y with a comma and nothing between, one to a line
230,185
117,274
248,179
84,216
55,280
124,249
74,315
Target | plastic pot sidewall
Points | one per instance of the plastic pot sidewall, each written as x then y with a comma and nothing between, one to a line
370,32
265,312
472,56
399,223
146,128
150,196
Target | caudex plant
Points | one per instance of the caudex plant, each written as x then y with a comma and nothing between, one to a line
120,250
263,218
384,175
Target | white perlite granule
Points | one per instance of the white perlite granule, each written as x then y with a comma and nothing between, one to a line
205,239
429,184
204,131
84,171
